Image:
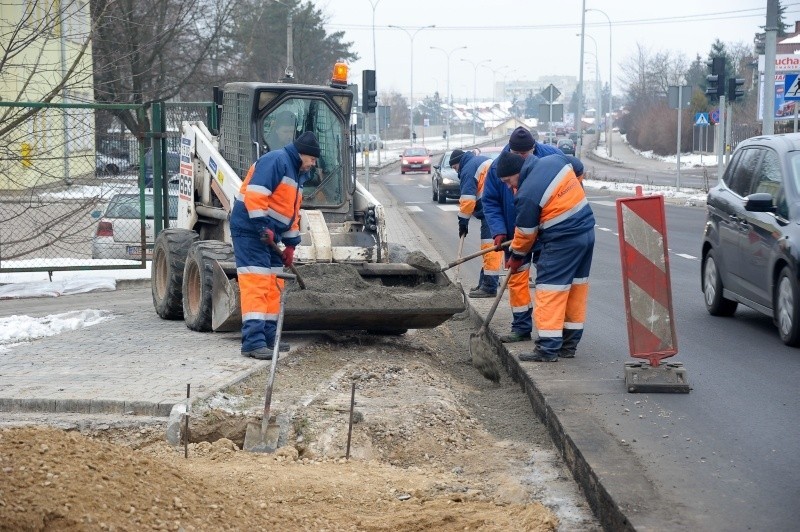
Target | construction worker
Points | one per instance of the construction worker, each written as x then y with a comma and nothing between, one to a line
552,209
472,170
498,209
266,211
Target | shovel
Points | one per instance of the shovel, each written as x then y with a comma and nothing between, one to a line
483,357
276,249
263,437
462,260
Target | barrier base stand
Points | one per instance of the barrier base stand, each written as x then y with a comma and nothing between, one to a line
667,377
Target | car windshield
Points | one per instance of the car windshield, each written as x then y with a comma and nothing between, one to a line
794,169
415,152
127,206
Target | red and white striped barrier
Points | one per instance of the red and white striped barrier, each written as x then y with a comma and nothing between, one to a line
645,278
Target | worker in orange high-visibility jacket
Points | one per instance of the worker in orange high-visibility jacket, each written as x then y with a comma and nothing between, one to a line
267,210
551,207
472,171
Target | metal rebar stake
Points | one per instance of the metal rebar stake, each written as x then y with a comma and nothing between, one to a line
350,427
186,422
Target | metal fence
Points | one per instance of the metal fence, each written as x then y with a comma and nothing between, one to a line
73,192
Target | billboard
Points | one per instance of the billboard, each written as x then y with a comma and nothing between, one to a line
784,64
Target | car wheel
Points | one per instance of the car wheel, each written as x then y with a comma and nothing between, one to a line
712,289
198,278
166,275
435,188
442,197
402,172
787,308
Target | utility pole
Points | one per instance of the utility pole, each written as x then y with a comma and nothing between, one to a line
768,124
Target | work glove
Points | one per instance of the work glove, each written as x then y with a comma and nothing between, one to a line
514,263
268,236
499,239
463,227
288,256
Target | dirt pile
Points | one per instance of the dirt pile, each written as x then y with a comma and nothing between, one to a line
55,480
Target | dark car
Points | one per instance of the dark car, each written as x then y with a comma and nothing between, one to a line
750,249
173,166
445,182
566,146
415,160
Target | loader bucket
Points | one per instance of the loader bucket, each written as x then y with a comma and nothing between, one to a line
379,298
226,310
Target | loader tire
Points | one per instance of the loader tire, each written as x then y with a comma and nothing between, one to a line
166,274
198,277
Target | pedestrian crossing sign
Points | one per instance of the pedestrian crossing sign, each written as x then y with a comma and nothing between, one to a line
791,87
701,119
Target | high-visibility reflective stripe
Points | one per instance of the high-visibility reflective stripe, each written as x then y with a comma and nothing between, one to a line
521,308
580,280
259,270
563,216
554,184
258,189
543,333
528,230
290,234
554,287
275,215
256,214
573,325
468,197
264,316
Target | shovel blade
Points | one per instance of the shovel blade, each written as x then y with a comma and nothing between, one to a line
483,356
261,437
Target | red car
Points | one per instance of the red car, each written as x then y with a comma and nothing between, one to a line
415,160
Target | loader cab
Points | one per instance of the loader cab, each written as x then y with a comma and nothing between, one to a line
258,118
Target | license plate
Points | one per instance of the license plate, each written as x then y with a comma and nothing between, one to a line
415,165
136,251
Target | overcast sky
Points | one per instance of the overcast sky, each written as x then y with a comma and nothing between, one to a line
530,37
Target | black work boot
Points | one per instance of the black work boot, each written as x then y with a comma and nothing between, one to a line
515,336
537,356
282,347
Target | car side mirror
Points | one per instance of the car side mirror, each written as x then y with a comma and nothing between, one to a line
759,202
437,167
400,156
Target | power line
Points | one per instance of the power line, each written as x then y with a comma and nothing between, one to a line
701,17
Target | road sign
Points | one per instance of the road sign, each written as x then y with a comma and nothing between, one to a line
550,94
701,119
714,116
791,87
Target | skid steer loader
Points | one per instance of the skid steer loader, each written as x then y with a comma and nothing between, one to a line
342,224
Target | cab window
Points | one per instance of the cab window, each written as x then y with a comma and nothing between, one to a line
279,127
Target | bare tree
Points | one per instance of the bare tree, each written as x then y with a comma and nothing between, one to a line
146,50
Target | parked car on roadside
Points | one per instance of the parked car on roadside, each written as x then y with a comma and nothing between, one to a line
118,234
445,183
751,243
415,160
566,146
548,137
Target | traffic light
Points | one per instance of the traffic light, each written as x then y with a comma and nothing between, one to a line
716,80
735,89
368,92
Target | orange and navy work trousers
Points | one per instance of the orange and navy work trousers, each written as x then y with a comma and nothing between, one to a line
519,297
492,261
562,288
260,290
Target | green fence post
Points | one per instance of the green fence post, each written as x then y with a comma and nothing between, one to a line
159,155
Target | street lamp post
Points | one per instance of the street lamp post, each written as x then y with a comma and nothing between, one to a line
475,92
374,4
578,121
494,81
449,97
610,81
599,110
411,92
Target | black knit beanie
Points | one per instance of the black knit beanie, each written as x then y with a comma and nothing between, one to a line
521,140
307,144
509,164
455,157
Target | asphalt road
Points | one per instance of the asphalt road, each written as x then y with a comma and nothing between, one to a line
725,455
